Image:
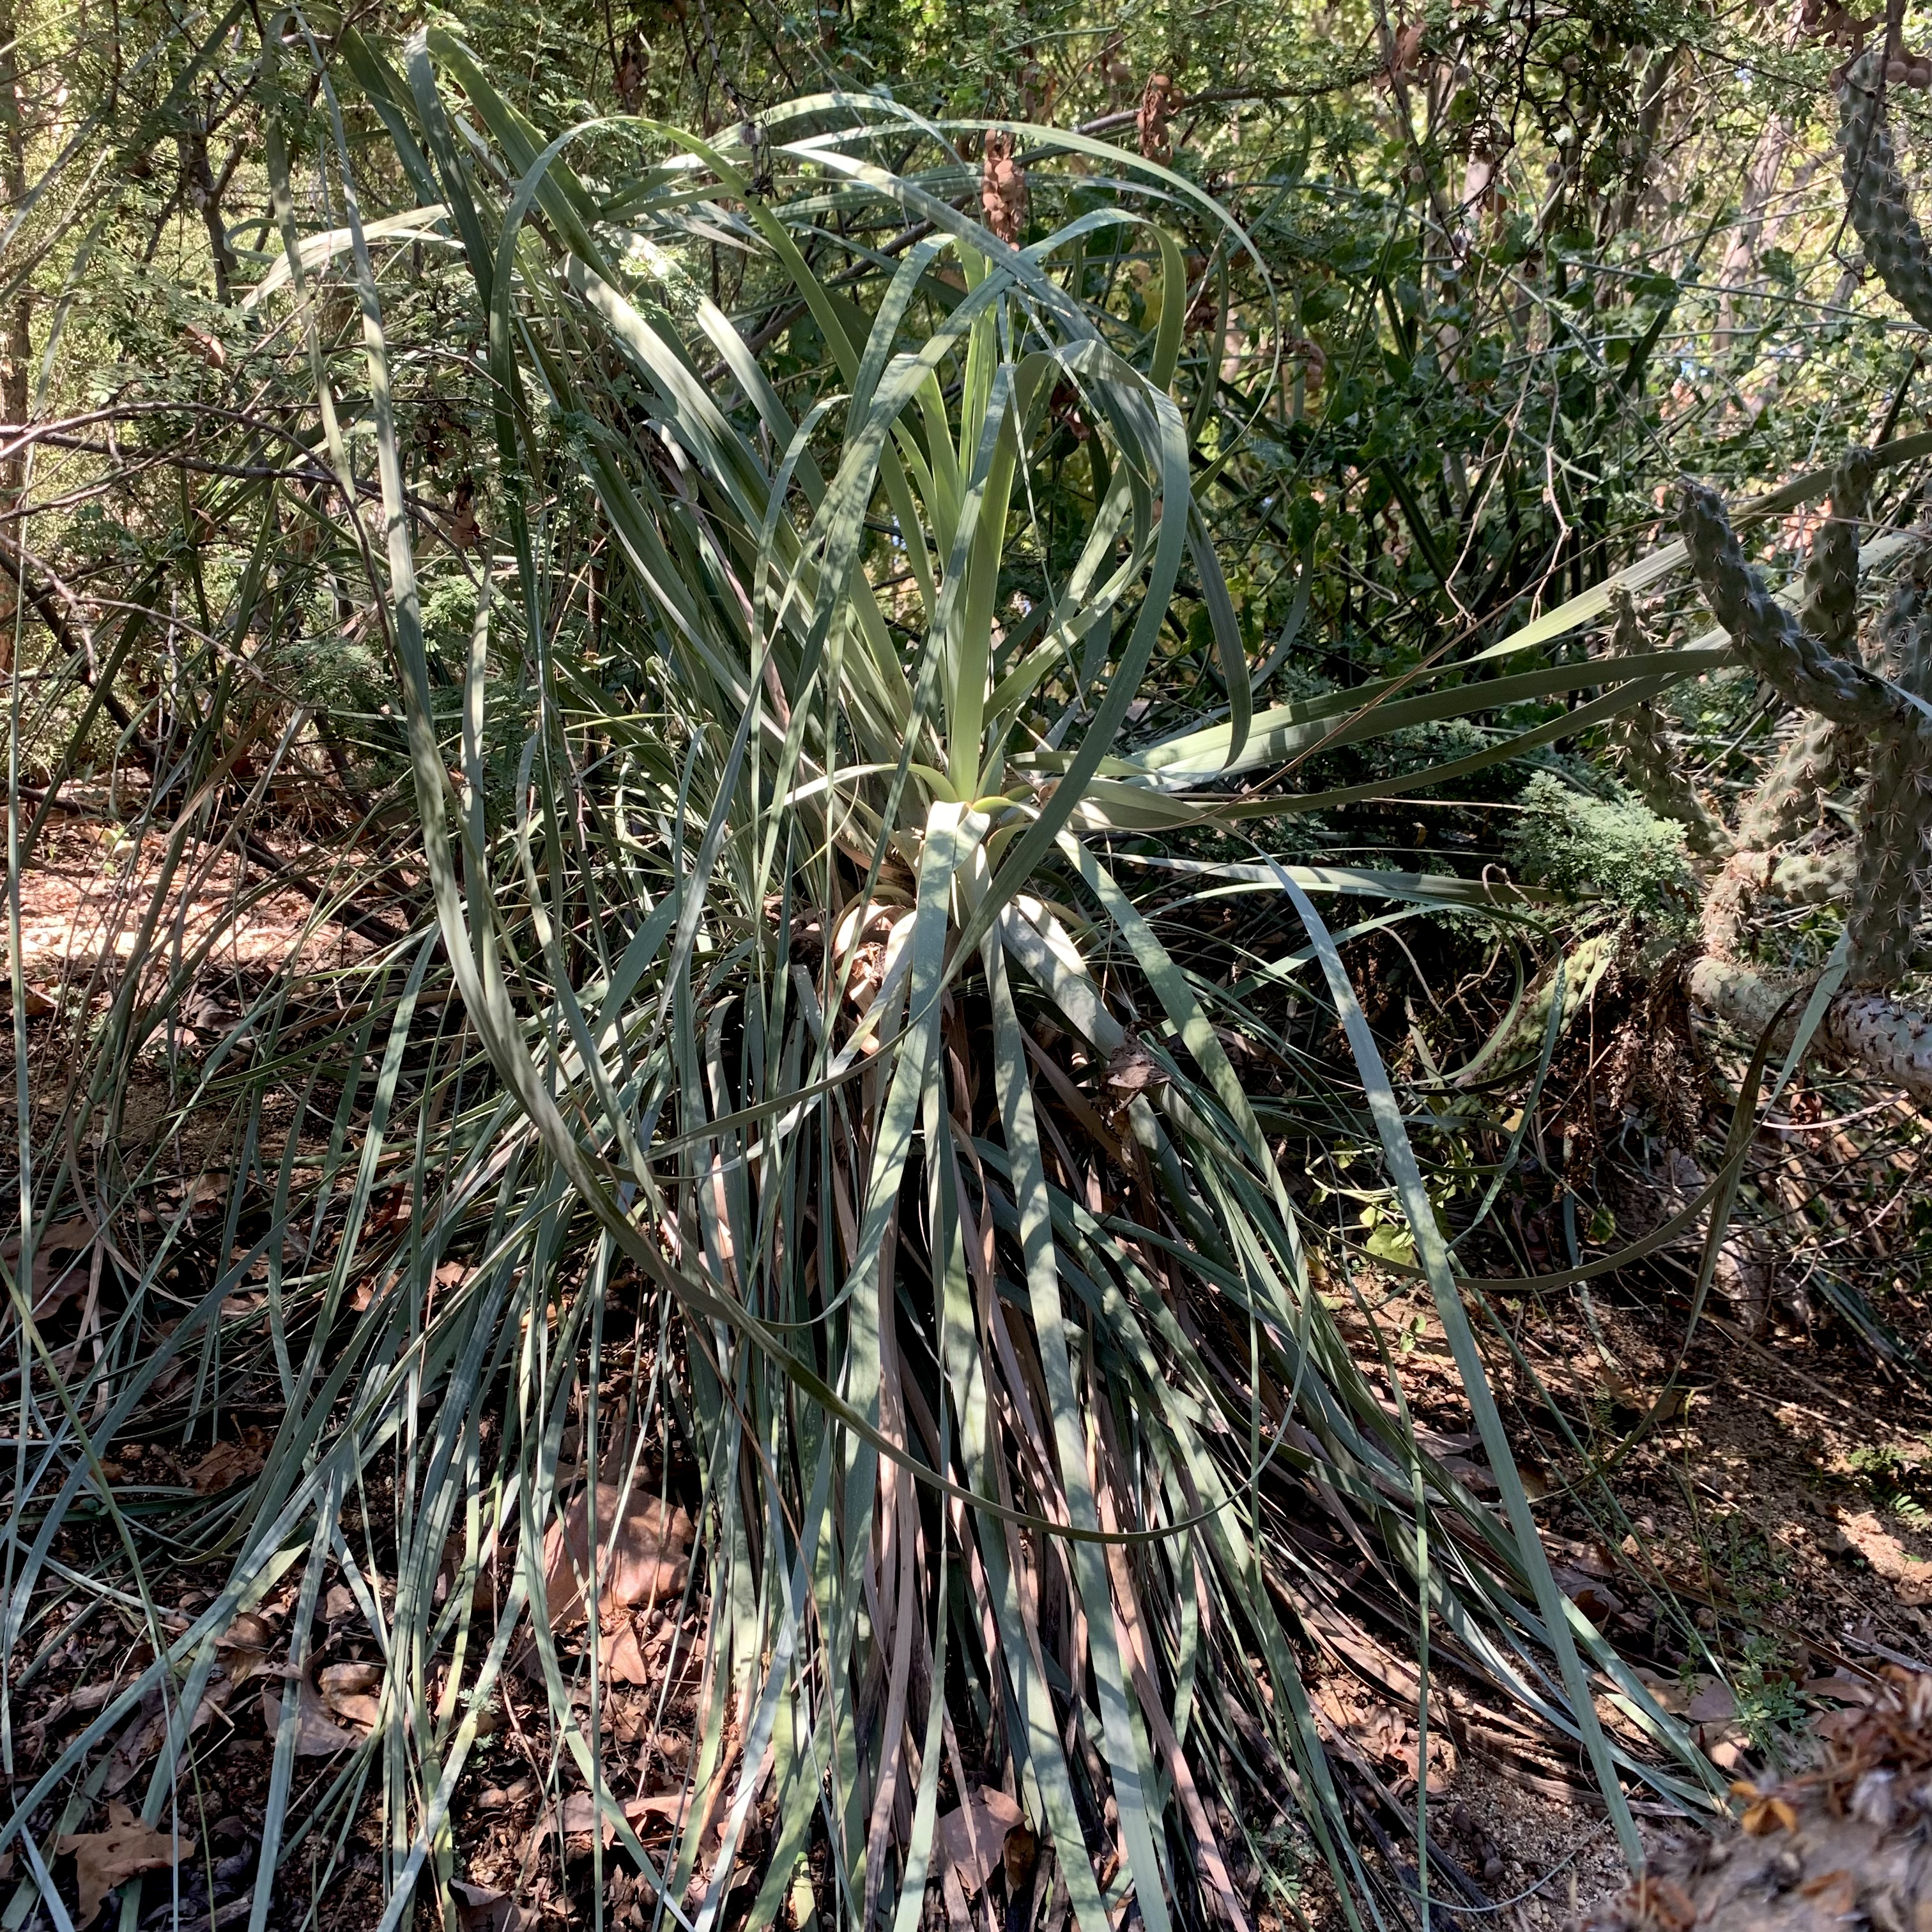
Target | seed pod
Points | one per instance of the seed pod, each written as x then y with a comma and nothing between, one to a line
1831,612
1003,186
1770,637
1875,193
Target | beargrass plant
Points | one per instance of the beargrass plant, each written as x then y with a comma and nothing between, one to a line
789,1003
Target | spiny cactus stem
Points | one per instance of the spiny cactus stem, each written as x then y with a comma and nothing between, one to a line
1863,1031
1889,892
1831,612
1786,801
1648,764
1875,193
1771,639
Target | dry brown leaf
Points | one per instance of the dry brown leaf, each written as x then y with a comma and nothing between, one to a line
56,1279
358,1708
344,1680
348,1690
646,1559
317,1734
672,1804
225,1464
103,1859
618,1654
1841,1687
144,1732
82,1697
1018,1854
577,1816
1769,1815
340,1602
1712,1703
1702,1699
1597,1600
628,1720
244,1649
973,1835
64,1237
1132,1068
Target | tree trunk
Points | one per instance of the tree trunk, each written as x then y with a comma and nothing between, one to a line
1740,268
16,346
1654,85
205,190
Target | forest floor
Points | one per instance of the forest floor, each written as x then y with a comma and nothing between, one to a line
1781,1506
1782,1497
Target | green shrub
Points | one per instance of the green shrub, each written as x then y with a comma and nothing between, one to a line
1616,850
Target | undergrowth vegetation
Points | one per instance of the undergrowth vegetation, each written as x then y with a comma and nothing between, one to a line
827,819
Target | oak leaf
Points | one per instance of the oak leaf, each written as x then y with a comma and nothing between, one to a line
102,1859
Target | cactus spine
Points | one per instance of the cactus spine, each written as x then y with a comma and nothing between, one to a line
1890,889
1875,194
1801,670
1831,612
1786,802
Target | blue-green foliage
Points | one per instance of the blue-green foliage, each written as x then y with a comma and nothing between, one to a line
1616,850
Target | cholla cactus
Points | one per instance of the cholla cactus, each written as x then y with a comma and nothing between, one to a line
1890,889
1831,612
1905,638
1802,671
1813,878
1648,764
1891,885
1875,193
1786,801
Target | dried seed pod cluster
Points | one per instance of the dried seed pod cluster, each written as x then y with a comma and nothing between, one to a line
1848,1842
1003,186
1832,20
1875,192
